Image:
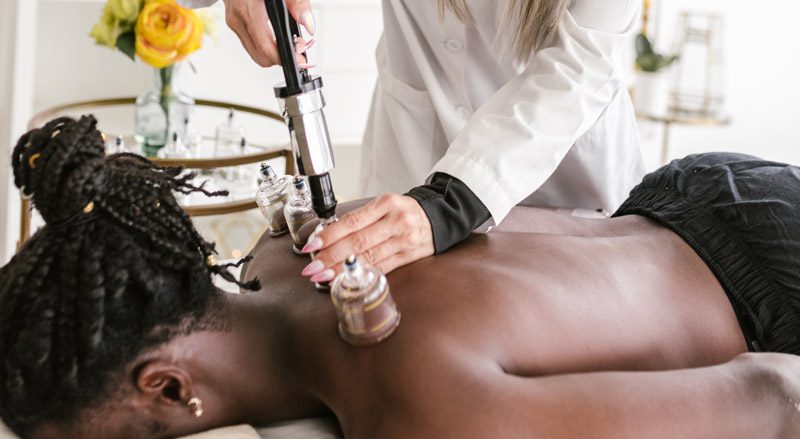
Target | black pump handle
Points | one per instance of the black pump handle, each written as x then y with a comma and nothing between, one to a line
286,28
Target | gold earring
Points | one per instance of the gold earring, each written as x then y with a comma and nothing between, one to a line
196,406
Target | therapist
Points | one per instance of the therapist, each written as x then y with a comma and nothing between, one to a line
492,104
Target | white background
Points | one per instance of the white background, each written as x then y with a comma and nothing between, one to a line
762,79
47,58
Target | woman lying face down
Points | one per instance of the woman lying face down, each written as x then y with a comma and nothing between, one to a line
551,326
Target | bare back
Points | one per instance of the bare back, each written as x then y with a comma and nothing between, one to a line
545,294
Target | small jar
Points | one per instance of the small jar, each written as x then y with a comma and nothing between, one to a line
227,142
364,305
174,149
298,212
271,197
117,146
191,139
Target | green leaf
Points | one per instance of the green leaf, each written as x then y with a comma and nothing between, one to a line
666,61
648,63
126,43
643,45
647,59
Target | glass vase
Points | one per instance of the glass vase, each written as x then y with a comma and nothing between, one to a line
162,110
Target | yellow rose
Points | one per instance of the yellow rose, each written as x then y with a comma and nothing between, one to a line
125,10
166,33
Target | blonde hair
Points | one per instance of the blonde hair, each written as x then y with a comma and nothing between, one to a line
535,22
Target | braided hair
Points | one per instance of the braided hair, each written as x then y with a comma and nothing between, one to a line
117,269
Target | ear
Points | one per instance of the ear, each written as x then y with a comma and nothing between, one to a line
163,384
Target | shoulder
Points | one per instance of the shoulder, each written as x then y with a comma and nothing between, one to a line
605,15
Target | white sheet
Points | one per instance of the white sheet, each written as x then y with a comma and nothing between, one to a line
312,428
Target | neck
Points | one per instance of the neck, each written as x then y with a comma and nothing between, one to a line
250,368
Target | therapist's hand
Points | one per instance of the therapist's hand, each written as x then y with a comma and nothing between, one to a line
248,19
388,232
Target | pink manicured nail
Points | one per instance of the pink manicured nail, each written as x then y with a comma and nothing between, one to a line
313,245
301,45
306,66
310,44
313,268
325,276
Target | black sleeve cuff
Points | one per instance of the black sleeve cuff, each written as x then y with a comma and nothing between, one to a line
453,210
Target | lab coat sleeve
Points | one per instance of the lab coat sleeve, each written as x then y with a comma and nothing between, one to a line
452,209
516,139
195,4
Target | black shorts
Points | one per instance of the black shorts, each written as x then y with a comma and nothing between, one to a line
741,214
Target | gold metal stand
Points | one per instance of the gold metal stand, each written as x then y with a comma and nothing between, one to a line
675,118
190,163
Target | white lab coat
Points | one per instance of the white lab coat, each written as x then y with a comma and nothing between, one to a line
558,131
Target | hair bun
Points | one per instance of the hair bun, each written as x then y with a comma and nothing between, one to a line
60,165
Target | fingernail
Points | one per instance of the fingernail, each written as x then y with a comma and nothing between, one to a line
313,268
313,245
306,66
309,44
325,276
308,22
302,43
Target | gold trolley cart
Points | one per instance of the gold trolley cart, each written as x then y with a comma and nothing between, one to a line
255,153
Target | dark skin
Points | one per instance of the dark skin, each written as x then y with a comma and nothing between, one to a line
532,331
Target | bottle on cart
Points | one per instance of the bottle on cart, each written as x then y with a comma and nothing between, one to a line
229,134
245,173
174,149
227,143
298,212
273,192
117,146
364,304
191,139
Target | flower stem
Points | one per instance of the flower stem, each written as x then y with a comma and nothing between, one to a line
166,92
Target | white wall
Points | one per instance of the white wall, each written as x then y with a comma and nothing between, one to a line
762,80
71,67
17,46
63,65
762,76
8,11
763,95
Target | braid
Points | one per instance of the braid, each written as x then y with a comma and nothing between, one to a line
117,269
